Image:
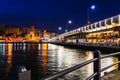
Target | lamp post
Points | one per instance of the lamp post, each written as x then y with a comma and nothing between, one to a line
59,29
69,23
88,13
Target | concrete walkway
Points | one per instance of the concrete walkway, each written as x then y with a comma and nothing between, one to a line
114,75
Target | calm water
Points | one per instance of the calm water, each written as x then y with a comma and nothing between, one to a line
45,59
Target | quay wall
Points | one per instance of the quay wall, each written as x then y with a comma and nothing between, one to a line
102,48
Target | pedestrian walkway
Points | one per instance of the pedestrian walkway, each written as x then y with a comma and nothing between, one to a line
114,75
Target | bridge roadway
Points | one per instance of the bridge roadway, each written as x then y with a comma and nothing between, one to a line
110,25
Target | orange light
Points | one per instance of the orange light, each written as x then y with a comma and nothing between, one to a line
45,54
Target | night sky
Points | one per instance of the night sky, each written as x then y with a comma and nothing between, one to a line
50,14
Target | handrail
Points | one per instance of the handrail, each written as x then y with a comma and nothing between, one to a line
97,67
66,71
109,66
90,77
109,55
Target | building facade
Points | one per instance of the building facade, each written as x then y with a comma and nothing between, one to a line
33,29
12,30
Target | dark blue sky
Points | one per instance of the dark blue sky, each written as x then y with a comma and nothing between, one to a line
50,14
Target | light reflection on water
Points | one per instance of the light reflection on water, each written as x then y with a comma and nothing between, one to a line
47,59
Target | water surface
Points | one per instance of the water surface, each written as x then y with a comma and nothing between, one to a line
45,59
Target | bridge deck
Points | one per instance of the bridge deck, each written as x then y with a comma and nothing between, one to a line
114,75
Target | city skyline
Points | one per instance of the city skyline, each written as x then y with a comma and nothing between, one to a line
52,14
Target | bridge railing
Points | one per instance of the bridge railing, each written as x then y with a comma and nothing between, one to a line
100,44
96,67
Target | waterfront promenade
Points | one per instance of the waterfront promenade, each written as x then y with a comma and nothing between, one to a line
113,75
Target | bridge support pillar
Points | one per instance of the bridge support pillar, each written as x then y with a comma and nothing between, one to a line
97,65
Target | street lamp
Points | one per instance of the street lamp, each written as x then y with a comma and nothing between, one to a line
69,23
59,28
93,7
88,13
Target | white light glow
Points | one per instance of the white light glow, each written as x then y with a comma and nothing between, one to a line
93,7
70,22
60,28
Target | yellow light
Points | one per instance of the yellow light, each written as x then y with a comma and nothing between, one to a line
9,53
45,54
45,46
